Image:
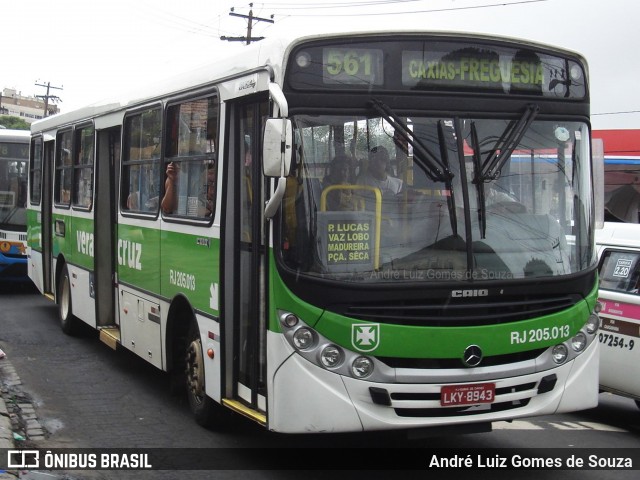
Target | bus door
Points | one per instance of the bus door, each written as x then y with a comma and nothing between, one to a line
47,220
244,251
108,151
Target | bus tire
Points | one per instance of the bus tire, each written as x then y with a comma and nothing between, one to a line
206,411
65,309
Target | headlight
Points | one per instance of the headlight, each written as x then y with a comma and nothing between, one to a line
560,353
362,367
331,356
324,353
303,338
289,320
593,323
579,342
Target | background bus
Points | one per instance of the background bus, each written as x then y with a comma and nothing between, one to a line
445,277
622,173
619,251
14,155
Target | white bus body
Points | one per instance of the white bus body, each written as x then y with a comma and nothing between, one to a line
619,251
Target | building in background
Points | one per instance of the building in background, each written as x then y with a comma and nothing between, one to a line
30,109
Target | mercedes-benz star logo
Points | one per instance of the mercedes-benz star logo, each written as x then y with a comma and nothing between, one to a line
472,356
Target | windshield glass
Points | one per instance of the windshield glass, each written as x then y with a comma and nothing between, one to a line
428,199
13,193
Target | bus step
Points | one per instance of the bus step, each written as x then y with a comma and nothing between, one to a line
110,336
242,409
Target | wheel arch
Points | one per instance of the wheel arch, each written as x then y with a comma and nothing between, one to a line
180,319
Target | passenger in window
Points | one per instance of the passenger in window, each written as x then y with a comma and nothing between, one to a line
210,196
340,199
170,200
133,201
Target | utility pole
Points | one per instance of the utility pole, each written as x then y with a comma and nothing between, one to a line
47,96
251,19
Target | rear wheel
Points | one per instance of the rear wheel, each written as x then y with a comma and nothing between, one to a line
65,310
205,410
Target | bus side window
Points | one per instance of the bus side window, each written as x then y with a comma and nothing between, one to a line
83,168
190,162
64,169
141,162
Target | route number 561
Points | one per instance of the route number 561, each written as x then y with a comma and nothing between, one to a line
350,62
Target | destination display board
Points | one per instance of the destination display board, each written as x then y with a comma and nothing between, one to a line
14,150
436,64
347,241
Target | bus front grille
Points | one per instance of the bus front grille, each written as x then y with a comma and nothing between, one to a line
458,314
411,402
444,363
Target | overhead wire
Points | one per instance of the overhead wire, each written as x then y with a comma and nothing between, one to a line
403,12
186,25
616,113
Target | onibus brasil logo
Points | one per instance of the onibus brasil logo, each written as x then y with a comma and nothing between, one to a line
365,337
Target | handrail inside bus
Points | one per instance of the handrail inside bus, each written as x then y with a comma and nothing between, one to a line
279,99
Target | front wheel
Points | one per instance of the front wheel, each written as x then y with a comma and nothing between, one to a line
205,410
65,310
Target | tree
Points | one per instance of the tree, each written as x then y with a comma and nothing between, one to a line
14,123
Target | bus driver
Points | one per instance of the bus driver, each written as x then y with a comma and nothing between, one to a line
377,175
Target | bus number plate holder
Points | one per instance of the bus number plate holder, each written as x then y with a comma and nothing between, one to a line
457,395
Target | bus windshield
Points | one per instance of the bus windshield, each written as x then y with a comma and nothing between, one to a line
429,199
13,193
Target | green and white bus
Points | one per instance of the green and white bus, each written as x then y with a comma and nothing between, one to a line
463,296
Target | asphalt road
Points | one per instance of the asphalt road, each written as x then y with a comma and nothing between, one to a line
89,396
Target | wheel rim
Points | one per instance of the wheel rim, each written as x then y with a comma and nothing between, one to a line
195,371
64,298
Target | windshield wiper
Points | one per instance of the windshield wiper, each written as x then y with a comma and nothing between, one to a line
433,167
478,181
507,143
451,200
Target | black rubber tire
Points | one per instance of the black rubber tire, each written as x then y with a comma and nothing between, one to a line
206,411
68,322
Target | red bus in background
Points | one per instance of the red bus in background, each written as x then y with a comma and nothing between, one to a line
621,174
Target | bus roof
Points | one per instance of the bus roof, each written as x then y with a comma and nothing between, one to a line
269,53
9,135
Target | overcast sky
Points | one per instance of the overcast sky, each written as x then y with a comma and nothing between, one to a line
94,48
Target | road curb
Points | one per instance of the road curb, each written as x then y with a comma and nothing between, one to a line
16,406
19,425
6,429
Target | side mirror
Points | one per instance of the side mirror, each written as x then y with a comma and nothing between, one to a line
277,147
597,154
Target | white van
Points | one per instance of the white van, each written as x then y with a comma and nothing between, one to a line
619,252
